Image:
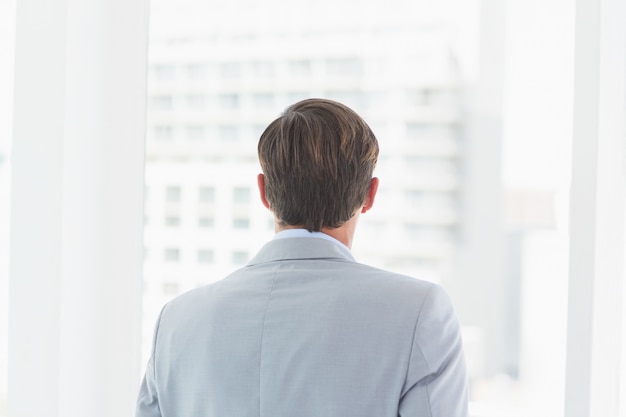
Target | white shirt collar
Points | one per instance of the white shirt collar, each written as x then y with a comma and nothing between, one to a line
305,233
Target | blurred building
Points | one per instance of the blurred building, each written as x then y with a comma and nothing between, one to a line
213,88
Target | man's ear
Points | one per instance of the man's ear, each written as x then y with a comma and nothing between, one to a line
371,195
260,179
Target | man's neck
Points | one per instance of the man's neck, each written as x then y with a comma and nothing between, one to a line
343,233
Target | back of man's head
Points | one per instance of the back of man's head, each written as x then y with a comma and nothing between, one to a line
318,159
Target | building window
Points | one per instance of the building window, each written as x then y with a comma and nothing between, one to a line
264,69
430,130
300,68
162,102
197,102
440,97
172,221
422,263
228,132
206,194
205,256
241,195
430,233
418,130
172,254
173,193
432,199
163,132
263,100
296,96
228,101
257,130
231,70
164,72
240,257
197,71
206,222
344,67
241,223
355,99
417,97
432,165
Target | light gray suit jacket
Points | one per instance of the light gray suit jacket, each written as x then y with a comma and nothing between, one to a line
304,330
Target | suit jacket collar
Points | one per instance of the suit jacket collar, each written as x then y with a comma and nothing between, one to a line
293,248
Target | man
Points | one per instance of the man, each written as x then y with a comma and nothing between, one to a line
303,330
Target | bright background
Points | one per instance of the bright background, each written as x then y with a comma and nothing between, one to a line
473,103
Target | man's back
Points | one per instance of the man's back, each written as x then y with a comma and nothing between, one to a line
303,330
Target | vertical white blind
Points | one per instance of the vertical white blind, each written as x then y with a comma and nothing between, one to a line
598,192
75,280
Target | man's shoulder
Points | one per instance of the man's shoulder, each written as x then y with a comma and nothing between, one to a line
201,292
391,278
360,280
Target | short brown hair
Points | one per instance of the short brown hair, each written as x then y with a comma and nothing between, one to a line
318,159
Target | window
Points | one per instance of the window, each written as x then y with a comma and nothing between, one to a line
173,193
206,194
416,97
228,101
165,72
300,68
441,97
206,222
172,254
241,223
468,195
172,221
508,274
432,165
240,257
264,69
163,132
295,96
205,256
430,233
162,102
416,130
241,195
344,66
432,97
263,100
197,101
435,199
354,99
257,130
228,132
231,70
197,71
